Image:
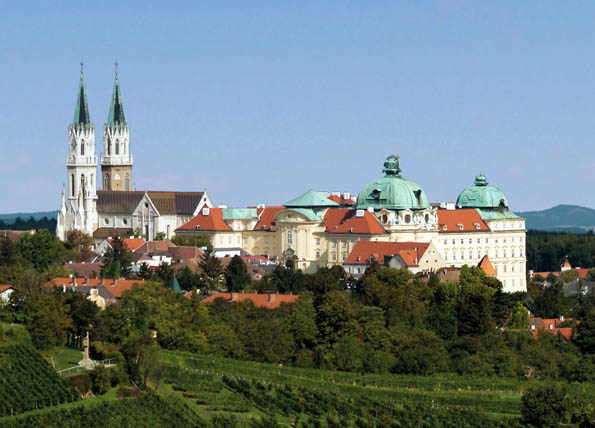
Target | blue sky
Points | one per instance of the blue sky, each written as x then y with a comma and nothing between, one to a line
259,101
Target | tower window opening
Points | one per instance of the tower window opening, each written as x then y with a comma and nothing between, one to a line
72,185
117,147
83,148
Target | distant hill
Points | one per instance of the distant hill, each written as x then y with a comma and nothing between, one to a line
10,218
561,218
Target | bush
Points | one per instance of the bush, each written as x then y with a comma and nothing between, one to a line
545,405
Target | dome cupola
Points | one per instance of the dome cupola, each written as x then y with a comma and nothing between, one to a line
392,192
481,195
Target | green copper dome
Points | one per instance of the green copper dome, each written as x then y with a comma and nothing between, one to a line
482,196
392,192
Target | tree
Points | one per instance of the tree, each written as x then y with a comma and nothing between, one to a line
160,236
187,279
165,273
585,332
236,274
519,318
551,303
591,275
336,317
200,241
568,276
8,254
211,268
49,325
42,249
79,242
544,405
117,260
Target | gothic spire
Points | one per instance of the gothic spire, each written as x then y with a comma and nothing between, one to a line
116,111
81,113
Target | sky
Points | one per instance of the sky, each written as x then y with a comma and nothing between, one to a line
259,101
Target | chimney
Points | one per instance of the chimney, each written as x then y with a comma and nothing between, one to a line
561,317
272,297
551,326
533,327
234,297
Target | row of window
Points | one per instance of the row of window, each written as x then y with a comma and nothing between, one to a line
486,240
479,253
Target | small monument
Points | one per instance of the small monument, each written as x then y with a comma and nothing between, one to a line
86,361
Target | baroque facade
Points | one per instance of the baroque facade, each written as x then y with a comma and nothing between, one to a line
117,209
316,230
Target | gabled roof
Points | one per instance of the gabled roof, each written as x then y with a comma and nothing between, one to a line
363,251
85,269
81,112
116,110
131,244
270,301
461,220
487,266
266,216
166,203
310,199
107,232
212,221
345,220
3,288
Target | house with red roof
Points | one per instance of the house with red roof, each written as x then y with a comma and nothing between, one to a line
103,291
415,256
266,300
5,292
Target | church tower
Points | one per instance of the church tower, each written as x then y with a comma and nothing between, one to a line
116,162
79,198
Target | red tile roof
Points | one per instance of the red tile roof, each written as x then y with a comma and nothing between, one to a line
582,273
270,301
131,244
266,216
487,266
451,221
152,246
547,325
410,252
114,286
3,288
341,200
345,220
212,222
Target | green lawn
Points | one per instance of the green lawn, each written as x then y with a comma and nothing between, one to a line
64,358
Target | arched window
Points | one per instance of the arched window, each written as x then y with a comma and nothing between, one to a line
82,147
92,181
72,185
106,185
127,182
290,237
109,147
83,184
117,147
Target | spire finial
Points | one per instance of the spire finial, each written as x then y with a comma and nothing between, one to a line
116,65
81,69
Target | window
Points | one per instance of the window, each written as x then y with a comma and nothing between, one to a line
127,182
317,254
289,237
407,218
344,244
487,240
117,147
109,147
334,257
470,255
504,268
504,253
446,255
453,242
462,240
470,241
317,241
83,183
512,252
445,242
512,267
334,244
106,221
72,185
83,148
344,256
478,240
106,185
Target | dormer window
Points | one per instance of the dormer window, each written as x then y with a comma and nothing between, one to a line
444,227
460,225
197,227
477,226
